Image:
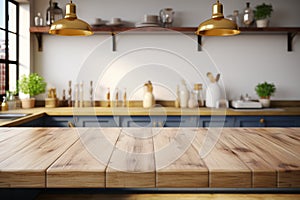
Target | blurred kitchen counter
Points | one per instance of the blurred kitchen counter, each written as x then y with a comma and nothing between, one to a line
38,112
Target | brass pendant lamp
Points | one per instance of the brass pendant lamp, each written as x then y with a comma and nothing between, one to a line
218,25
70,25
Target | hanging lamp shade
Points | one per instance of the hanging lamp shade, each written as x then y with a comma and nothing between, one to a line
70,25
218,25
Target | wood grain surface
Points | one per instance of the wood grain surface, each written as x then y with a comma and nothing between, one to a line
149,157
132,162
84,164
30,153
177,162
286,164
225,168
263,174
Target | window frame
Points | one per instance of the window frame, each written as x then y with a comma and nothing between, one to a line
6,61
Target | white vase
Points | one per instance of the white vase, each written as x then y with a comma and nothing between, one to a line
262,23
184,96
265,102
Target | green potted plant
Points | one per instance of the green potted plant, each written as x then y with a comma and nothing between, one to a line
261,13
33,84
265,91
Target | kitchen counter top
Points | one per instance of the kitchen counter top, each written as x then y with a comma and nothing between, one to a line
149,157
138,111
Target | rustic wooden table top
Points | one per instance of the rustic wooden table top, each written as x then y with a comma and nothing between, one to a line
150,157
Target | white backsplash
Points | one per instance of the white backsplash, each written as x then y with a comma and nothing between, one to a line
165,59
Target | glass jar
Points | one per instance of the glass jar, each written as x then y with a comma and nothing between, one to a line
248,15
198,93
237,18
38,20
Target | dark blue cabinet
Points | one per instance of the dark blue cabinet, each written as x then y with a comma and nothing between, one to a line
282,121
267,121
251,121
97,121
165,121
159,121
59,121
216,121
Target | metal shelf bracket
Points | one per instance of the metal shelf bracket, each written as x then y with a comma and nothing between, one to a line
199,38
290,37
39,37
113,37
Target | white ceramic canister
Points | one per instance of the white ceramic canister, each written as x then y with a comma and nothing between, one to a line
213,94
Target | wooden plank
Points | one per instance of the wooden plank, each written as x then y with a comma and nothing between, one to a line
286,164
225,168
263,174
6,133
84,164
178,164
17,139
289,140
27,167
132,162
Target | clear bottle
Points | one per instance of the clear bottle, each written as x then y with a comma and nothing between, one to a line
38,20
18,102
91,94
124,98
49,14
108,97
4,105
184,95
248,15
192,103
237,18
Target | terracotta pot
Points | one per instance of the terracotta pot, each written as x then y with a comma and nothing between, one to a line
265,102
28,103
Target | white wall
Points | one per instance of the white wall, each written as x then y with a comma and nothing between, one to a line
165,59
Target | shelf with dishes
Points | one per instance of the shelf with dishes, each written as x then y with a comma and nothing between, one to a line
291,32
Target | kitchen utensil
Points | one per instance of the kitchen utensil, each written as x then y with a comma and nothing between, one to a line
211,77
217,77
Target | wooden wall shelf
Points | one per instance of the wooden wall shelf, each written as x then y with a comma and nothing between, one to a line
291,32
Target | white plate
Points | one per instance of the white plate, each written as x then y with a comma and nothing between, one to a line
146,25
100,24
114,24
149,22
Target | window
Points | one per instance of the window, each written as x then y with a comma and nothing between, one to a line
9,45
